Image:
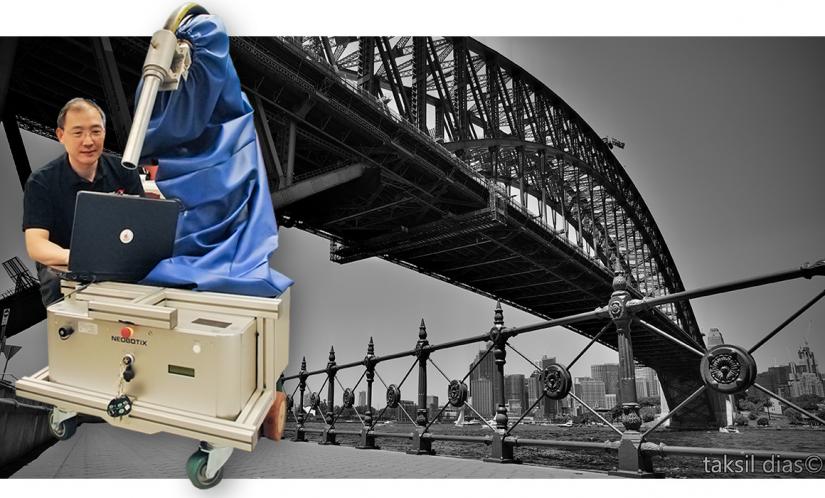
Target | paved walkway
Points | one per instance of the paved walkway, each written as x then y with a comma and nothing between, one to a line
103,451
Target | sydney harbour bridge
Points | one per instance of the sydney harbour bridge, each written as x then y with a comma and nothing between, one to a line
437,154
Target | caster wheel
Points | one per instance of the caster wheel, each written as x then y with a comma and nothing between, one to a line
65,429
196,471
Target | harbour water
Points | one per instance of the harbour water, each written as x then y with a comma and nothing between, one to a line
801,440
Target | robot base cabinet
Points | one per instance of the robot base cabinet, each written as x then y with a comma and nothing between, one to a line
197,364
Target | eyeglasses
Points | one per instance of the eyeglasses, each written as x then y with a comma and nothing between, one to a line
94,133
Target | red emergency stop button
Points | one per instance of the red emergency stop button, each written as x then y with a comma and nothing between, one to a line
126,332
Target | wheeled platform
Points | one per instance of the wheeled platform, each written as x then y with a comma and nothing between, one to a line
201,365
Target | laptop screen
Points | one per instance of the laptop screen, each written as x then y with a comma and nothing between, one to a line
119,237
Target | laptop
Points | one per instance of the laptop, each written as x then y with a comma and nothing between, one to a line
120,238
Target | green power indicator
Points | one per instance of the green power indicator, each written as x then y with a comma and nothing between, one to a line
178,370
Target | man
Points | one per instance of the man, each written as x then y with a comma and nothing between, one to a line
49,199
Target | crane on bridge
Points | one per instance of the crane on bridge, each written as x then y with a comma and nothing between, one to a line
613,142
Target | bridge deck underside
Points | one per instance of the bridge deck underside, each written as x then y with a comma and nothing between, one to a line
494,254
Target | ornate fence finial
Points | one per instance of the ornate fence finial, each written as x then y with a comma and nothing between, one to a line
498,318
331,354
304,364
371,348
619,280
422,331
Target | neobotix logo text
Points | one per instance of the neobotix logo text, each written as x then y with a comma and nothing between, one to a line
136,342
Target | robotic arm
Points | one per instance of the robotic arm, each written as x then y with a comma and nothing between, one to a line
166,63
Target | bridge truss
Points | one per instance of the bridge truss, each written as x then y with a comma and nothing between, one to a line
514,131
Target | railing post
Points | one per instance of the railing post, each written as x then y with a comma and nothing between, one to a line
500,450
302,385
329,416
367,441
632,462
422,446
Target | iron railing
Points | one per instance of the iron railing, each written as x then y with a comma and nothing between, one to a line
725,369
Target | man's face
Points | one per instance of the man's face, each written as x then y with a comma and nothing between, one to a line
82,135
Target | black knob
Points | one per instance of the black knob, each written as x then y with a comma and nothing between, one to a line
65,332
128,373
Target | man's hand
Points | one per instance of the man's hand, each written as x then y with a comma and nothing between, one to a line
44,251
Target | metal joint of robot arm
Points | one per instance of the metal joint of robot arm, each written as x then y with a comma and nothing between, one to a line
166,65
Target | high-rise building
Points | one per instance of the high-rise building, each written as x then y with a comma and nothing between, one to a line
610,400
648,375
514,409
804,377
607,373
806,383
362,398
406,411
784,391
775,378
482,397
591,391
534,388
714,338
514,390
486,366
809,361
642,388
432,407
485,369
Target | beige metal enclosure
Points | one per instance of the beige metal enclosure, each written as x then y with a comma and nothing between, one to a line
204,364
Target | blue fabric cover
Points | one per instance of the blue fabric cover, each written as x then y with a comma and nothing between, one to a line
204,139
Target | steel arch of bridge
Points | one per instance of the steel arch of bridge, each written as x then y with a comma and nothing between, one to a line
513,130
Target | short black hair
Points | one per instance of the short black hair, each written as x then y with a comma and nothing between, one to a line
78,102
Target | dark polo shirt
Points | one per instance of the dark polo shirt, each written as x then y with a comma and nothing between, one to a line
49,198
